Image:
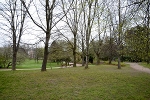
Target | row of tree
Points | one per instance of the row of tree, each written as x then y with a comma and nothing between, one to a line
90,23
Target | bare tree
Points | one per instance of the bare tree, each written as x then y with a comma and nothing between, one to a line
119,21
51,19
101,22
148,32
119,33
89,13
72,20
14,15
82,32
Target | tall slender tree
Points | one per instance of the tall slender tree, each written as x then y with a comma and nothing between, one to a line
119,23
89,13
72,20
119,33
101,28
148,30
14,15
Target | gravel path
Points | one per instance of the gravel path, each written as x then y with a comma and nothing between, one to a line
139,67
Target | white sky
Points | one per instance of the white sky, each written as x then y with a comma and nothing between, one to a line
32,35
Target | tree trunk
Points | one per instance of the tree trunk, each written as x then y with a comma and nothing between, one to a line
119,34
87,61
83,62
74,50
110,61
98,60
14,59
90,20
148,34
83,55
49,16
87,52
45,53
15,50
74,58
119,65
87,49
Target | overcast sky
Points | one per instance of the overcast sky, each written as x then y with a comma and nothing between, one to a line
33,34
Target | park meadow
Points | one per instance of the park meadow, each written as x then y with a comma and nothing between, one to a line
40,38
99,82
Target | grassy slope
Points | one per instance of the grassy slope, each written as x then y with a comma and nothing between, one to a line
97,83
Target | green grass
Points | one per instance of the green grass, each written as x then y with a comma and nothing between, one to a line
32,64
104,82
115,63
145,64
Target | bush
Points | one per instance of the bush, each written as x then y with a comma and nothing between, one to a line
4,61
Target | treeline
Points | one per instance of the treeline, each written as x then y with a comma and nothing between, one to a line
100,29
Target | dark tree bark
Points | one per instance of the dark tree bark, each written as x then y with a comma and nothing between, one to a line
82,48
119,35
148,32
74,50
44,63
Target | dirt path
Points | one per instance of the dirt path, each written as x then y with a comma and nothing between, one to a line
139,67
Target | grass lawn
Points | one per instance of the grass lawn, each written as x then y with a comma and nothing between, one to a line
104,82
145,64
115,63
32,64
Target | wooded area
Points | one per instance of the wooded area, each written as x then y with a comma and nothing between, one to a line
77,31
